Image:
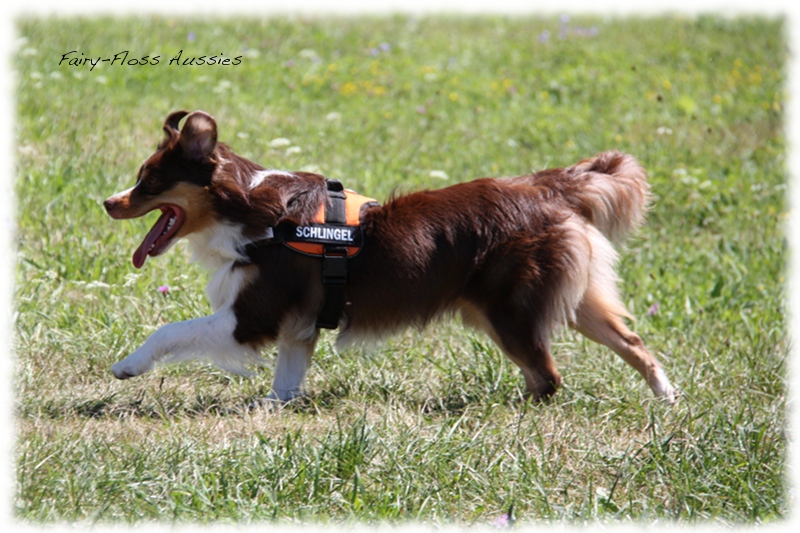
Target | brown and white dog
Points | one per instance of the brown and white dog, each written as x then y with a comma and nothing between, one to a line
515,256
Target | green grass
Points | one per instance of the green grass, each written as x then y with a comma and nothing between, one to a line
429,426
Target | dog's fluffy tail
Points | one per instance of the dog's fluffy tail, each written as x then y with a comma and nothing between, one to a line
609,190
613,194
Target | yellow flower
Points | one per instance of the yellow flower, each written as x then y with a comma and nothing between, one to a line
453,97
348,88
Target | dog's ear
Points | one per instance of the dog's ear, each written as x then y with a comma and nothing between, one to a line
198,137
171,124
171,131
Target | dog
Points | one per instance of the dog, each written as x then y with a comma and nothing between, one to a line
517,257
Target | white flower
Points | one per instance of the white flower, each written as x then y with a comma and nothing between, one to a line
280,142
441,174
293,150
333,116
310,54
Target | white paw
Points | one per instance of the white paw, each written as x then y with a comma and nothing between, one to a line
662,388
131,367
276,400
284,396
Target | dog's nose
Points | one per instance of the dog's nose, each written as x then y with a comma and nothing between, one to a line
110,204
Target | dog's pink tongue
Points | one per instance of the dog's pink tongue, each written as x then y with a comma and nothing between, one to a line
143,250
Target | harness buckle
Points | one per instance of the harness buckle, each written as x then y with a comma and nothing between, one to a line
334,265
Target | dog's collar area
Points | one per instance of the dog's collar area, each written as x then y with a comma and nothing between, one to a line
335,237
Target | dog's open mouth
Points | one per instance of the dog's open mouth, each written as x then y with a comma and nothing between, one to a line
161,235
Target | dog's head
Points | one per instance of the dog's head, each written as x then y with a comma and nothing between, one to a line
175,180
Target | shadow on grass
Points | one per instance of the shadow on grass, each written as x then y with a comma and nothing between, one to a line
150,404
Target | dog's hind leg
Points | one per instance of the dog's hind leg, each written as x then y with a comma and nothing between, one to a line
538,368
599,318
526,343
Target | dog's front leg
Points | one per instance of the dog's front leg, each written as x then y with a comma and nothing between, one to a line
210,336
294,358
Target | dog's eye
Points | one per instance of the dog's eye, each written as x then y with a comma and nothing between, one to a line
147,184
150,186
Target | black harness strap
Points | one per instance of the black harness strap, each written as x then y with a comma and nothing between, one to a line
334,261
334,236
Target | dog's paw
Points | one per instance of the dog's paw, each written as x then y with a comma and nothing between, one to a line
662,388
669,395
128,368
275,401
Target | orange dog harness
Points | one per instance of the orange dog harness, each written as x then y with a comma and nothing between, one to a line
334,236
331,227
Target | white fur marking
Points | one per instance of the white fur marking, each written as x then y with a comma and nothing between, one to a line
259,177
124,194
225,285
217,245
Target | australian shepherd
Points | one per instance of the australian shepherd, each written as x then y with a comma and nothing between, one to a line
515,256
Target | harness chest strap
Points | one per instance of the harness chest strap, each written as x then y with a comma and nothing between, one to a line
334,257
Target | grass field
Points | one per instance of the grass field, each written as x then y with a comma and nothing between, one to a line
429,426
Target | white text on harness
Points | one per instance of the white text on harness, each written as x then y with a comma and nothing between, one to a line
326,233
